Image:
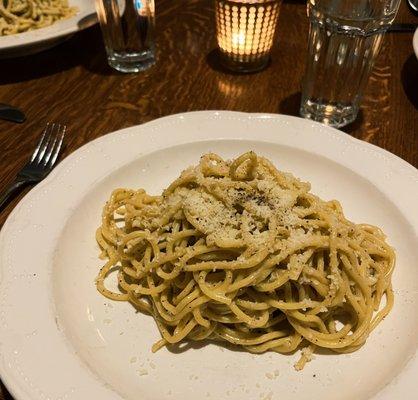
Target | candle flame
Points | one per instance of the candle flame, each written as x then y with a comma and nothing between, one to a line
238,39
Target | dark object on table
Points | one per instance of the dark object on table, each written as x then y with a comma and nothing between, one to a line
11,113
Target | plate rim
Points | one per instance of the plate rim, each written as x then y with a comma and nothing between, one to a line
415,42
10,379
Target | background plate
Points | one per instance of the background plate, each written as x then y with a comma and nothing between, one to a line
62,339
41,39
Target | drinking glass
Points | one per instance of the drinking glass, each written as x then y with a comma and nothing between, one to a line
345,37
128,33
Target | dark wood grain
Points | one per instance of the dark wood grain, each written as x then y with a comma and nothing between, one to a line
72,84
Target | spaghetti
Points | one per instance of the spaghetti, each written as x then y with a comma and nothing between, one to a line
18,16
241,252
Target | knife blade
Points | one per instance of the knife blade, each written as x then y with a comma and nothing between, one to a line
11,113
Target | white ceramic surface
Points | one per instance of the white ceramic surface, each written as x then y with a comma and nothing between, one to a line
60,339
415,43
40,39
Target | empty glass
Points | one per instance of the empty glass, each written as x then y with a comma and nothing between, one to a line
344,39
128,33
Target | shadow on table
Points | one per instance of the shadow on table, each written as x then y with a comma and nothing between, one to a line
290,106
354,126
83,49
4,392
409,78
213,59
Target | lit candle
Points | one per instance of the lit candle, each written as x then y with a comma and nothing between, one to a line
245,32
238,39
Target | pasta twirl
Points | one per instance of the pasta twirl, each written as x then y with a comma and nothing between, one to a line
238,251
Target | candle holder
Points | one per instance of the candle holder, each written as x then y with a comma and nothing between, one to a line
245,32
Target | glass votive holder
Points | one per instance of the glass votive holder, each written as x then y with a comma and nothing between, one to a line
245,32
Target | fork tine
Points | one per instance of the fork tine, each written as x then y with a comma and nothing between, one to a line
52,143
45,144
57,148
40,143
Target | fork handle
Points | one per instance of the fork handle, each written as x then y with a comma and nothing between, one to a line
10,190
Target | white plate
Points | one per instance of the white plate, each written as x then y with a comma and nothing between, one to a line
415,43
60,339
41,39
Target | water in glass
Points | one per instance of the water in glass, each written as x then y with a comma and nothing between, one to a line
128,33
344,39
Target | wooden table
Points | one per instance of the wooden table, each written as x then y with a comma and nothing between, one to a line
72,84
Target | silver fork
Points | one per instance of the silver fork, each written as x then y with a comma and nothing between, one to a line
42,161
